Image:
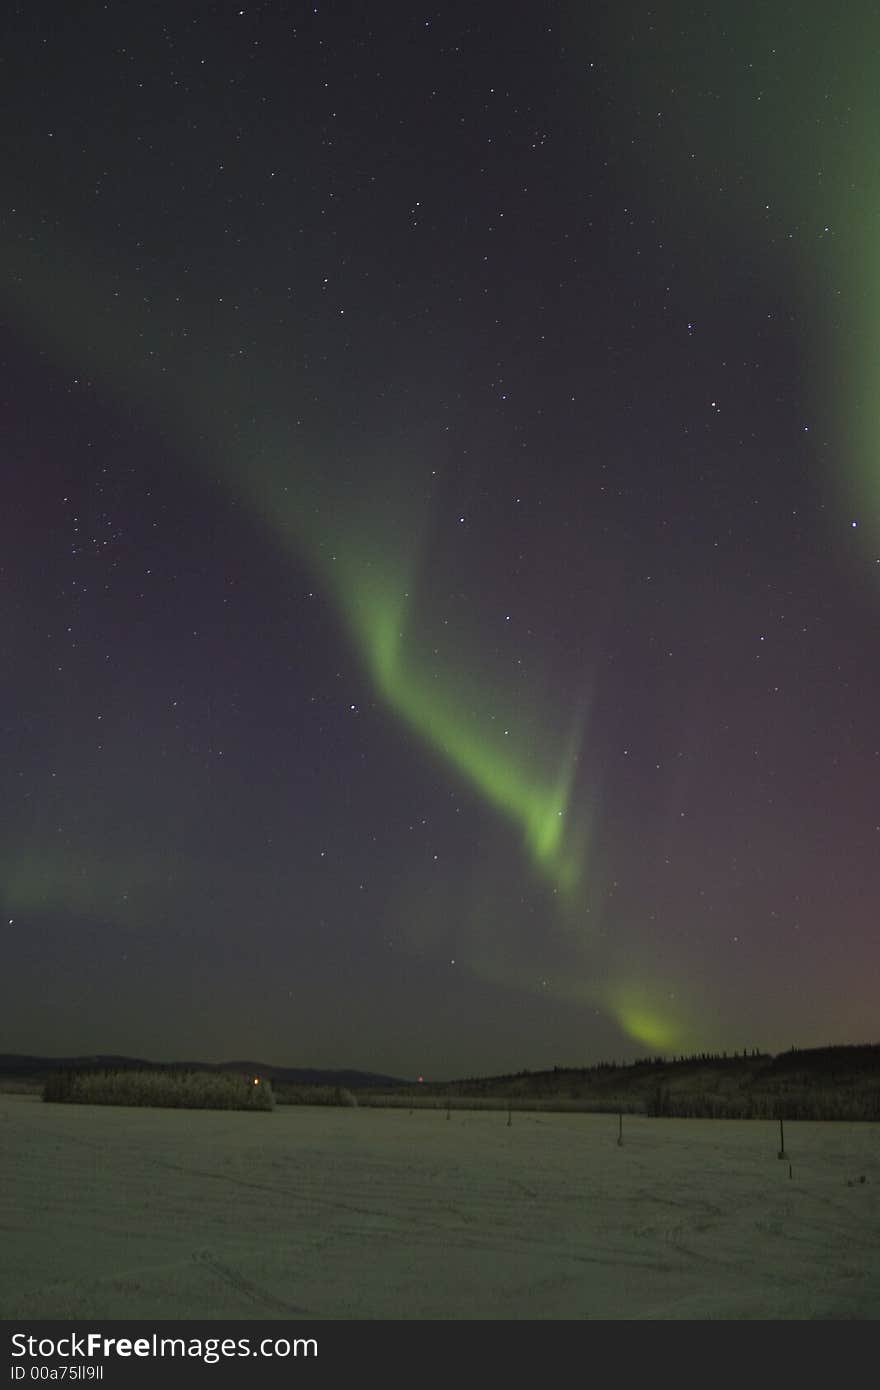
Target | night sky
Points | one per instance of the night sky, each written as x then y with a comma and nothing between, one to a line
440,531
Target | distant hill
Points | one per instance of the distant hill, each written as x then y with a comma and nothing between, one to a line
821,1083
28,1068
828,1083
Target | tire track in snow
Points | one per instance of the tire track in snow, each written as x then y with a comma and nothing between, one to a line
236,1280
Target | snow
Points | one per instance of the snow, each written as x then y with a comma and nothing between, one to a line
308,1213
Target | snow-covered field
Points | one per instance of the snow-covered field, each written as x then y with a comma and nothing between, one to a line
361,1213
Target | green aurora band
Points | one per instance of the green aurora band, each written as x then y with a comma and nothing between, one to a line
765,135
366,542
796,177
763,126
368,555
362,542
